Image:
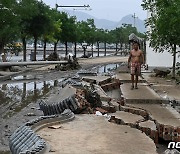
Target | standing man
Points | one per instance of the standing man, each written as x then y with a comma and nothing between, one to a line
135,60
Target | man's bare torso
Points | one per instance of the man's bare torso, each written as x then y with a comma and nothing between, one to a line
136,56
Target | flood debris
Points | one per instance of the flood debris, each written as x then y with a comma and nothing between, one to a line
71,65
161,72
53,57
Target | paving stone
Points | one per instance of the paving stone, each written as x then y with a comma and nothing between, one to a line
128,117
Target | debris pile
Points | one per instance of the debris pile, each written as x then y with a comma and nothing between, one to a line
71,65
91,98
161,72
82,102
53,57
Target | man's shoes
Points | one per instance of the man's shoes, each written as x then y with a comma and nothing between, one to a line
136,87
132,87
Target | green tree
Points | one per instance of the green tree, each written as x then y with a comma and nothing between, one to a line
87,31
8,22
105,40
37,24
76,38
99,37
55,33
53,30
164,33
68,29
91,33
27,9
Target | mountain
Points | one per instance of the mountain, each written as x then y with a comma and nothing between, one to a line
140,24
107,24
100,23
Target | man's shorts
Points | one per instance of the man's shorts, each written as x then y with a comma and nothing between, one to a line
136,69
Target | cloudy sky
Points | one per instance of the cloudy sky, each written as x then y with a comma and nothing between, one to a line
105,9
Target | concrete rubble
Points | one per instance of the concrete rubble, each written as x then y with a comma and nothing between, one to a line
145,121
89,92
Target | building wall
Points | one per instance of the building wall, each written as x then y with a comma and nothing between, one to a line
164,59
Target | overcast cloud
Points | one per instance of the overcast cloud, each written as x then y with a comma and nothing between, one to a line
106,9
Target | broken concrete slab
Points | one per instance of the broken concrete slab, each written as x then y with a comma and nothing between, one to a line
97,79
161,114
62,94
111,85
93,134
128,117
136,121
148,124
4,73
102,93
109,107
116,93
142,95
126,78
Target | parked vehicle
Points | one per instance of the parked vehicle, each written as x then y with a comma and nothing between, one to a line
90,47
49,45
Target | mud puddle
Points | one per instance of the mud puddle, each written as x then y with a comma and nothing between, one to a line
108,68
17,95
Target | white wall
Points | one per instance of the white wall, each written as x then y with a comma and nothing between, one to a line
164,59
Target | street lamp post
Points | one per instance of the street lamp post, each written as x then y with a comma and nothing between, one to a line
134,17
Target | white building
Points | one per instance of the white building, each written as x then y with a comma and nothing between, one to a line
164,59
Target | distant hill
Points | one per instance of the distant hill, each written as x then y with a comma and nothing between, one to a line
107,24
140,24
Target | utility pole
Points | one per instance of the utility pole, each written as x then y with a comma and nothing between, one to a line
135,17
77,6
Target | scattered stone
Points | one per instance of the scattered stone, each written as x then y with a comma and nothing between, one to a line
30,114
55,127
161,72
101,110
127,117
